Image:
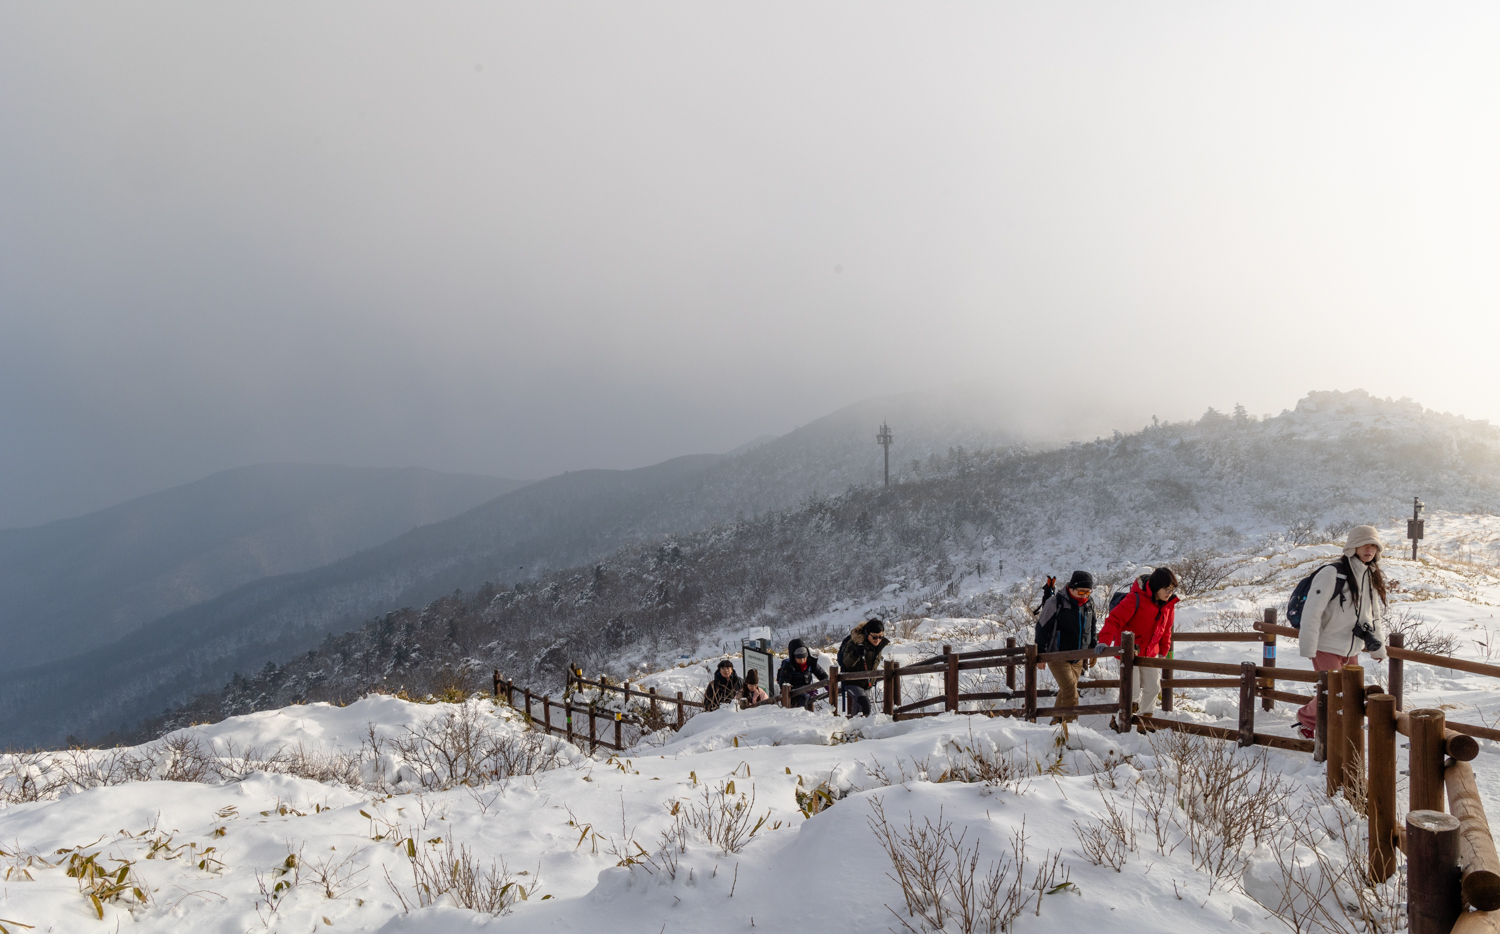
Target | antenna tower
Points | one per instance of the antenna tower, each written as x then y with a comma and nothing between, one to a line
884,439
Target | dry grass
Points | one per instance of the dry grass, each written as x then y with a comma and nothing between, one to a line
440,868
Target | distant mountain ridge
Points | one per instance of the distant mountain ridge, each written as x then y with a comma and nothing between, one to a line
74,584
558,522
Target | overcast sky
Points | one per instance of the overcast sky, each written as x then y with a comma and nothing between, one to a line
518,238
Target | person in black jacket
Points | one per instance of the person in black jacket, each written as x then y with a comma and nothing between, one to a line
800,669
725,686
860,651
1066,623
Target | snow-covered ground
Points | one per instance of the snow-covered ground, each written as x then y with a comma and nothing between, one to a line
317,816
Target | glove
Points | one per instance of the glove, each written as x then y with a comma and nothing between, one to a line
1101,649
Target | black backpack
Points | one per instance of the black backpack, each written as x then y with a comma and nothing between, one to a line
1118,597
1298,599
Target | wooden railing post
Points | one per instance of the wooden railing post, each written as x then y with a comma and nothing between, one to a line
1434,895
950,680
1320,722
833,687
786,695
1030,675
547,712
497,684
1268,659
1247,703
1380,786
568,720
1166,685
593,734
1425,760
510,691
1396,669
1354,726
1010,665
1127,681
888,691
895,687
1336,749
528,704
655,711
681,718
619,745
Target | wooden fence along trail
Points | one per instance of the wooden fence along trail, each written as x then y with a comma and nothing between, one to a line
1453,871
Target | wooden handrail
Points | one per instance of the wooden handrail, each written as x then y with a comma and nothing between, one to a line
1456,743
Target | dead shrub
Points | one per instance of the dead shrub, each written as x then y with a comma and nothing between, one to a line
1418,634
443,869
1205,569
459,747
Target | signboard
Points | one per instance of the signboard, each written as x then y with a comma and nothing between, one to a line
758,659
1414,528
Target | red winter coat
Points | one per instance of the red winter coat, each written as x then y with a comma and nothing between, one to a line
1138,613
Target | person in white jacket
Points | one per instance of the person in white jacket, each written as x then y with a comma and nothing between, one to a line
1335,630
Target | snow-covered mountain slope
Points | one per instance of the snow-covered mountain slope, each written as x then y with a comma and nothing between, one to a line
316,817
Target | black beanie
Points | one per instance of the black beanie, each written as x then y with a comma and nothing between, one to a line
874,625
1081,580
1161,577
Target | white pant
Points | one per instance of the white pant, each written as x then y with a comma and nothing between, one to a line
1147,687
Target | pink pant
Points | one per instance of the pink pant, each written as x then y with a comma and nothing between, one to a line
1323,661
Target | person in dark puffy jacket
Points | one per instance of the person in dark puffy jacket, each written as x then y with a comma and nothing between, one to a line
1149,612
1066,623
860,651
725,687
798,670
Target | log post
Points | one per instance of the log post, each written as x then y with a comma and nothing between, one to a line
1166,686
1395,669
547,712
1425,760
950,680
655,712
510,691
1354,727
1030,674
619,746
1380,786
1336,750
681,719
786,695
895,687
1320,724
1476,848
1247,703
1268,659
497,684
833,687
1433,888
1010,665
887,704
1127,681
568,720
528,704
593,733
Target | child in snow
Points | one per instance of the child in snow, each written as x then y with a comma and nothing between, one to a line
1335,631
1148,611
1067,623
725,687
753,692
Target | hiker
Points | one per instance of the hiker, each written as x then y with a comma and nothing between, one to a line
1334,631
1147,611
800,669
860,651
753,693
1066,623
725,687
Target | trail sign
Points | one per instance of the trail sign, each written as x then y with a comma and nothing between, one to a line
1414,525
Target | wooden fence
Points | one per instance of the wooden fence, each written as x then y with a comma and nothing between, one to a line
1453,871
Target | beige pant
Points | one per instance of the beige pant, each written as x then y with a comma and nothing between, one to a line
1147,688
1066,674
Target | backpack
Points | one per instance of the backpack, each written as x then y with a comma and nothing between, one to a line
1118,597
1298,599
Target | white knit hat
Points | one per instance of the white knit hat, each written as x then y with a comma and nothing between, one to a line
1363,535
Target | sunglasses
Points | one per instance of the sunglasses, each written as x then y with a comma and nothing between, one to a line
1082,590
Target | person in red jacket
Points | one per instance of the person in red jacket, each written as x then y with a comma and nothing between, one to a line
1148,611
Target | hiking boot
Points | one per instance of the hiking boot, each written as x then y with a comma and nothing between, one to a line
1306,732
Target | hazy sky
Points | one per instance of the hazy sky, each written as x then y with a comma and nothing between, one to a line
515,238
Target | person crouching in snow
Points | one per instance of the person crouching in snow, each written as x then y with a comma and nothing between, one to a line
1148,611
1066,623
725,686
1334,631
860,651
798,670
753,693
